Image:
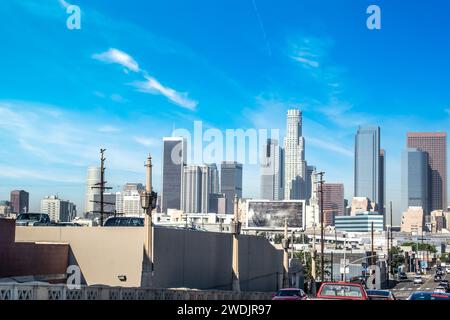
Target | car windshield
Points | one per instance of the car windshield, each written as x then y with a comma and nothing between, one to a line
288,293
29,216
341,291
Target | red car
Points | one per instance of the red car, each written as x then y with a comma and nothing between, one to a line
342,291
290,294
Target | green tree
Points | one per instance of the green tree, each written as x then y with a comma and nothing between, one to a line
398,257
422,246
305,259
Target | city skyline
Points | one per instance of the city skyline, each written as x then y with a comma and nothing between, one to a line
129,77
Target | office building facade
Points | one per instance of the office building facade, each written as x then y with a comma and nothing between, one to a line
231,182
435,145
415,179
360,223
272,166
369,166
333,202
58,210
20,201
173,161
196,189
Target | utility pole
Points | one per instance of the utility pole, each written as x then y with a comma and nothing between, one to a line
102,187
322,229
148,203
391,236
236,226
332,262
313,254
372,252
286,255
292,247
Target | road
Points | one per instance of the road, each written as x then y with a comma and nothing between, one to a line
403,289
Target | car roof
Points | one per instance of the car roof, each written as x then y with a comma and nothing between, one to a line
287,289
341,283
378,292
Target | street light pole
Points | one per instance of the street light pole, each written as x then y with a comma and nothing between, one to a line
148,203
322,229
235,263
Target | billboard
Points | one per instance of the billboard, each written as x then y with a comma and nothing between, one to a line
265,214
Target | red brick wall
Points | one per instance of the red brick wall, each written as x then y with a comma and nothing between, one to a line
28,258
7,231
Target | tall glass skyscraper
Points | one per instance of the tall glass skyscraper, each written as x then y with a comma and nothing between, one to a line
174,159
369,166
435,145
415,179
272,171
231,182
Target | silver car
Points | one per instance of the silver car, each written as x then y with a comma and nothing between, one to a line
418,280
33,219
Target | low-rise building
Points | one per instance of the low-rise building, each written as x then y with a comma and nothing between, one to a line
360,222
412,220
58,210
5,208
438,221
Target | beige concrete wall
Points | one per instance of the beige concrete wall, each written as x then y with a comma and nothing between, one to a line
102,253
182,258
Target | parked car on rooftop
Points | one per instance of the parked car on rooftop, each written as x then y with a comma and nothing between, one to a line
33,219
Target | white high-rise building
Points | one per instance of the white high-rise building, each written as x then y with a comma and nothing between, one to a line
93,178
131,202
128,201
272,184
294,157
58,210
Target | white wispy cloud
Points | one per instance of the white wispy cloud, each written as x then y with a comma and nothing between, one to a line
307,62
153,86
309,51
147,142
118,57
329,145
109,129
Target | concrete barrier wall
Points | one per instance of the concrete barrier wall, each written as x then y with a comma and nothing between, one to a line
46,260
102,254
183,258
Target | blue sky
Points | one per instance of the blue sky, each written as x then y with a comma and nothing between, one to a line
138,69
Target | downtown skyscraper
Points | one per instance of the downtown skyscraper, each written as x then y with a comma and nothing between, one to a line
415,180
173,162
295,167
230,182
92,190
435,145
20,201
370,166
195,189
272,166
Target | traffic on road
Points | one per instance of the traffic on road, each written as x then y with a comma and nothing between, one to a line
433,285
